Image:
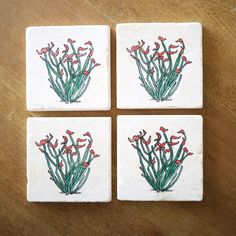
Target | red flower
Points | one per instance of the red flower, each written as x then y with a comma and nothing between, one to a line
179,41
161,145
74,62
66,48
65,140
68,148
61,72
190,154
147,141
80,140
178,162
170,52
82,49
42,51
184,58
87,134
73,153
181,132
56,53
183,142
161,38
173,143
188,62
185,149
96,155
41,142
157,46
85,164
89,145
86,72
89,43
158,135
93,61
145,52
60,164
177,70
70,41
163,129
166,150
160,55
133,48
173,46
135,138
90,52
80,146
92,152
54,145
69,132
174,137
166,59
69,56
80,54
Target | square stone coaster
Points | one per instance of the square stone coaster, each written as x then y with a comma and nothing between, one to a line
69,159
159,65
159,158
68,68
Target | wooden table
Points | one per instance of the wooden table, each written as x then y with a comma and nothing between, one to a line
214,216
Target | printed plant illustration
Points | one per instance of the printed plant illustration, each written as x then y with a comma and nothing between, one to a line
69,163
69,73
161,161
160,70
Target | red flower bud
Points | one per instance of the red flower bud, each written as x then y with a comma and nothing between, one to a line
82,49
54,145
173,143
92,152
178,162
70,41
66,48
185,149
177,70
181,132
87,134
80,140
166,150
173,46
69,132
89,43
85,164
86,72
163,129
60,164
79,146
147,141
161,38
179,41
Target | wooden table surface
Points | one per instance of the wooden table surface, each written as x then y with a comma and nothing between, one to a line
215,215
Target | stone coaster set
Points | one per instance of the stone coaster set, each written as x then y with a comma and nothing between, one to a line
159,157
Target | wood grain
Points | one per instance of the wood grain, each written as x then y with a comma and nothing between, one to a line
214,216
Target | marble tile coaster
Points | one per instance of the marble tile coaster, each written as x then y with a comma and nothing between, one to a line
160,158
68,68
69,159
159,65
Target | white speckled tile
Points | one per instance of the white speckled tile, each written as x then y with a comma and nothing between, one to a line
159,65
69,159
68,68
160,158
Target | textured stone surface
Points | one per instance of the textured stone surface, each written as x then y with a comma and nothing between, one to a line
97,188
40,96
132,185
130,93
